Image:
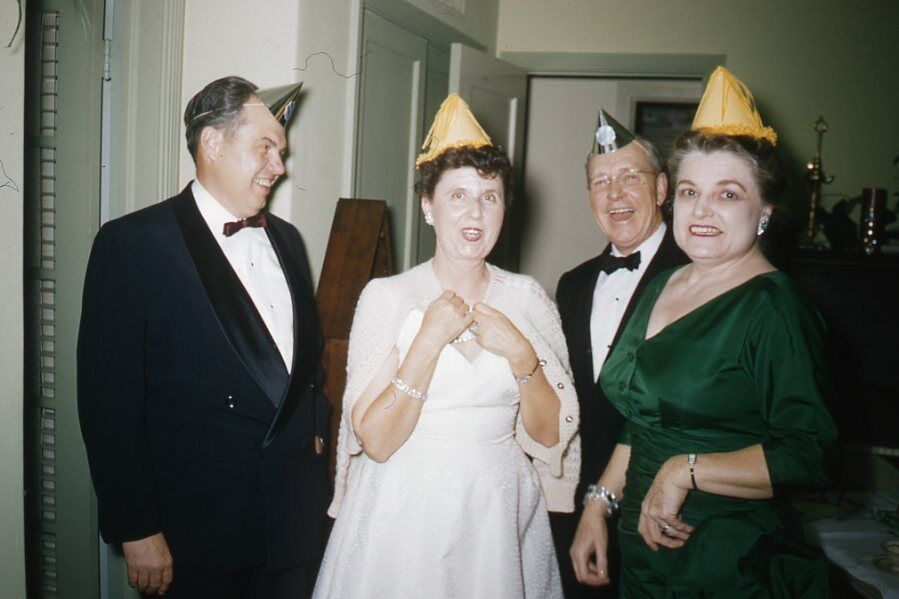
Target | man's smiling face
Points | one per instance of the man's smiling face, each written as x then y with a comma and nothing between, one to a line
626,214
247,161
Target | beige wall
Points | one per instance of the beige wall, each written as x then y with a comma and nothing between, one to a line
223,37
475,18
559,227
555,192
233,37
322,136
802,58
12,63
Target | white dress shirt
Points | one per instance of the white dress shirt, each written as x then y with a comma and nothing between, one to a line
611,296
251,255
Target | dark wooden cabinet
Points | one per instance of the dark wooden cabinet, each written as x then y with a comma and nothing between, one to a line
359,250
859,298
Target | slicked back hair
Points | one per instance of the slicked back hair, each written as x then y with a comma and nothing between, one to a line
217,105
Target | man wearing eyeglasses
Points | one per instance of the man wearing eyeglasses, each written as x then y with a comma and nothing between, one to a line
626,189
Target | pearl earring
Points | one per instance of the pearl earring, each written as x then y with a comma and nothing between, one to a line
429,220
763,225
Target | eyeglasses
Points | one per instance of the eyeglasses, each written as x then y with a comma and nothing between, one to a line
627,179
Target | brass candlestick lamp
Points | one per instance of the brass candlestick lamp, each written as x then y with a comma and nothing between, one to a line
815,176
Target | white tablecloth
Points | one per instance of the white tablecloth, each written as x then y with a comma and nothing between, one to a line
851,538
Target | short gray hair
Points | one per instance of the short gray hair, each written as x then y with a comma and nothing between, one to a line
655,161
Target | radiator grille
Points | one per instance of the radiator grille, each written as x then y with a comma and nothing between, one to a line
41,328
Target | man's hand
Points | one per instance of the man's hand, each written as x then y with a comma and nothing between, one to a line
590,546
149,564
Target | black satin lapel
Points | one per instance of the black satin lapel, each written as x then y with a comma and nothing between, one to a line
236,313
305,329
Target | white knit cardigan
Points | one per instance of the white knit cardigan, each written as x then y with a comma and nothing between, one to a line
380,313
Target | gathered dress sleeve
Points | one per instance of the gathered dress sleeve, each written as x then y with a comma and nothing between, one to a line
785,355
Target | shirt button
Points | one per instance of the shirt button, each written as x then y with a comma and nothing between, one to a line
630,356
568,419
231,402
622,385
561,385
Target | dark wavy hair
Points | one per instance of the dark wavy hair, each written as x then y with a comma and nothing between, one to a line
489,161
216,105
760,154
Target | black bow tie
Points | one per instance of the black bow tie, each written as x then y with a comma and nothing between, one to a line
257,220
610,263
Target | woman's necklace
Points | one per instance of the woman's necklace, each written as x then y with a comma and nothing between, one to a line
465,335
469,334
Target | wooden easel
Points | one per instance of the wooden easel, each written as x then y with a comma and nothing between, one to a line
359,250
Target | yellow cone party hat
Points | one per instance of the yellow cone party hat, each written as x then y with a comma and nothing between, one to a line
727,108
454,127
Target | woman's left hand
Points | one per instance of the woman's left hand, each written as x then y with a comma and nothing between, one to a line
660,522
497,334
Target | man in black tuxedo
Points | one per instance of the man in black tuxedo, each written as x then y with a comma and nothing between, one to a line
198,366
626,189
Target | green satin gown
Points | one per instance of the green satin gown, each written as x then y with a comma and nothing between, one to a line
745,368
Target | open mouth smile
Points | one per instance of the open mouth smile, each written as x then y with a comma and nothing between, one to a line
620,214
704,230
472,234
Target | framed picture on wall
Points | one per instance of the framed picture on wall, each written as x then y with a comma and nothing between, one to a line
662,122
658,109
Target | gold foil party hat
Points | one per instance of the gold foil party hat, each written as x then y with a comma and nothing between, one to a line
727,108
454,127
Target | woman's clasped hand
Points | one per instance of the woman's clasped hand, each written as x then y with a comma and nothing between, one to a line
660,522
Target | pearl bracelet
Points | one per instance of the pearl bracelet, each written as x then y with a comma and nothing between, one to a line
597,493
408,389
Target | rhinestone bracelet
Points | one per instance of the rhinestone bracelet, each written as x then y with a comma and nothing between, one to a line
408,389
691,464
523,378
597,493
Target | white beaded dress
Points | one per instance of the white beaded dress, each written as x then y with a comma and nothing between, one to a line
457,511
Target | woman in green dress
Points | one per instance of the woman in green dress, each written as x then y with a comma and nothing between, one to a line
720,373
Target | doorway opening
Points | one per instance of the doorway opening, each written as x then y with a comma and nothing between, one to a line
559,232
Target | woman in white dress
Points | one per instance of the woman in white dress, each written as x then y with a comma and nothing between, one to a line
456,370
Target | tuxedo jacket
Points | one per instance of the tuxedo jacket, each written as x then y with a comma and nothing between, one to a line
192,424
601,423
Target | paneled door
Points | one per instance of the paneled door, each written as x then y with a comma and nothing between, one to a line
391,113
496,91
64,70
435,93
